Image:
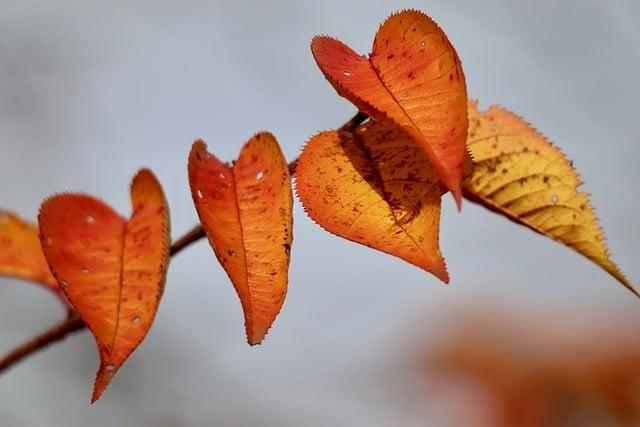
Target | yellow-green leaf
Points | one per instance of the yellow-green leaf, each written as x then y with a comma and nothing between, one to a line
521,175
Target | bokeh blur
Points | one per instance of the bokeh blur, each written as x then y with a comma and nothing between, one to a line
499,367
92,91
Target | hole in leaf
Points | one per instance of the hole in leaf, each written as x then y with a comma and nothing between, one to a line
63,283
554,199
221,175
259,175
423,43
85,270
90,219
347,73
135,320
200,195
110,368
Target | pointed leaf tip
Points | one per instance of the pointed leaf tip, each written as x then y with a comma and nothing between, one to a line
413,79
374,187
103,378
523,176
112,270
246,210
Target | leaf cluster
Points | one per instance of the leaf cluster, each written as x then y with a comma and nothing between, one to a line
378,181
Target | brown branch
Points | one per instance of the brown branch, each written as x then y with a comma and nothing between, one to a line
74,323
354,122
195,234
292,166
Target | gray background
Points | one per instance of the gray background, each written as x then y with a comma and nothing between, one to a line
90,92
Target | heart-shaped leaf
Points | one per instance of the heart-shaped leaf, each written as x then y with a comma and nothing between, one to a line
522,176
374,186
112,270
21,253
413,78
246,210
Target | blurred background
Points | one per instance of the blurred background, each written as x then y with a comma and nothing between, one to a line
90,92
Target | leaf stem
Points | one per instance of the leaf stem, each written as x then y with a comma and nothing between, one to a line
74,323
354,122
349,126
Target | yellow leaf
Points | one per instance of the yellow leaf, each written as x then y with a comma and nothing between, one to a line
521,175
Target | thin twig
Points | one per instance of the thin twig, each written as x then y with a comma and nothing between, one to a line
194,235
74,323
57,333
355,121
292,166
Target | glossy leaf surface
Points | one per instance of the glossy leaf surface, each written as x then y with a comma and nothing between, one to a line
246,211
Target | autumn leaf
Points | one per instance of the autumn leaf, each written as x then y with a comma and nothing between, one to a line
413,79
375,187
246,211
521,175
112,270
505,368
21,253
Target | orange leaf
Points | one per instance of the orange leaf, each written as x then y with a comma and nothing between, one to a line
413,78
521,175
375,187
21,253
112,270
246,211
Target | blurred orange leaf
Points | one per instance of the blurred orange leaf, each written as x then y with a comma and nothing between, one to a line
246,211
413,78
521,175
523,371
21,253
112,270
375,187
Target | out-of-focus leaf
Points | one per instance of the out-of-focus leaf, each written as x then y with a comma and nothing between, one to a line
375,187
521,175
505,368
21,253
112,270
246,210
413,78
